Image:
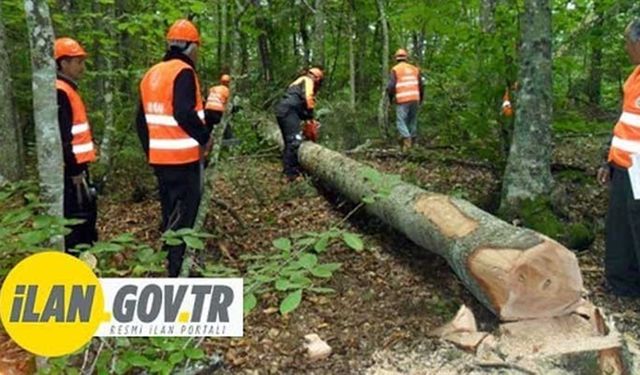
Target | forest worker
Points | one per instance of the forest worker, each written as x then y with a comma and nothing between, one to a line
174,134
217,103
297,105
406,86
218,98
507,108
622,229
79,200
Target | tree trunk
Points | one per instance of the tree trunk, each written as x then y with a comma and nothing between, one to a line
595,64
261,24
108,88
383,104
318,35
352,57
240,54
304,35
528,172
487,15
11,153
224,16
515,272
49,146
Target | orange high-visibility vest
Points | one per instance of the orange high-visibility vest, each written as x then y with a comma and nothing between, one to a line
507,109
168,143
218,97
626,134
407,83
82,140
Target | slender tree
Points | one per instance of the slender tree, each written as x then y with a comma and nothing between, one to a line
318,35
528,172
594,84
261,23
352,56
487,15
382,106
106,146
12,166
45,106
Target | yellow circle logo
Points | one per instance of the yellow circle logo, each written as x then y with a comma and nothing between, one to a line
51,304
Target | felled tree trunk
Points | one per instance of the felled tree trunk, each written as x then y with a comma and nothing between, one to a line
515,272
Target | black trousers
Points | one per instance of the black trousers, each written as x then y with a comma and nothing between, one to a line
180,193
79,205
289,123
622,231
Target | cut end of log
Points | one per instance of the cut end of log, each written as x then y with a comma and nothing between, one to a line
449,219
540,282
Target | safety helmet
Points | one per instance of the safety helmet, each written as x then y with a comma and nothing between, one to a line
401,54
225,79
317,72
67,47
183,30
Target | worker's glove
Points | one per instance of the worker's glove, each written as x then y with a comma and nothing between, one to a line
311,130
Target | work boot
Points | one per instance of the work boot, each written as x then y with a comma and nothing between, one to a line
406,144
294,178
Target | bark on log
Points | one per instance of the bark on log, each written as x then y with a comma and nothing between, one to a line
515,272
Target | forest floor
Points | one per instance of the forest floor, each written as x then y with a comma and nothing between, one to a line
387,297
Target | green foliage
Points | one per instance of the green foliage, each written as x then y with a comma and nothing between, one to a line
293,267
539,216
188,236
24,227
381,184
154,355
573,122
580,236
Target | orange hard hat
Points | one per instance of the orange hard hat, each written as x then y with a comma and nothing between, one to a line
67,47
401,54
183,30
316,72
225,79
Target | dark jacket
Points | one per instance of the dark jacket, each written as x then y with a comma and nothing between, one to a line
299,97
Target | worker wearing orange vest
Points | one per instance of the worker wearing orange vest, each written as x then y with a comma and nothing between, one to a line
507,108
622,229
78,149
297,105
406,86
219,96
174,134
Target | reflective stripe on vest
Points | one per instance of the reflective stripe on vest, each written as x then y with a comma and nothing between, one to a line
168,143
81,138
217,99
626,134
407,83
